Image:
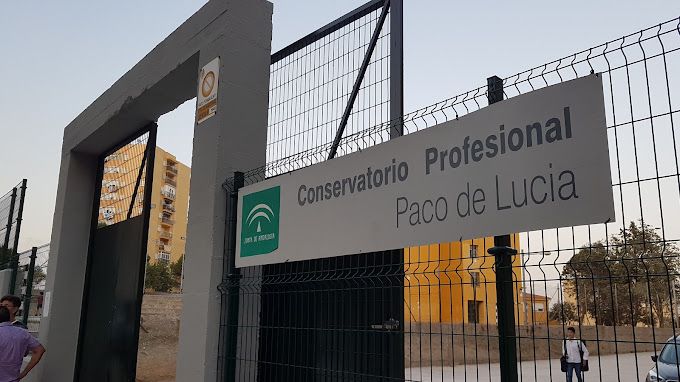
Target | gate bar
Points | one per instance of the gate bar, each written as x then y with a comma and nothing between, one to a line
29,286
229,287
359,80
397,68
327,30
9,220
15,257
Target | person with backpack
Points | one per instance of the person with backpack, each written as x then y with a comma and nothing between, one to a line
574,356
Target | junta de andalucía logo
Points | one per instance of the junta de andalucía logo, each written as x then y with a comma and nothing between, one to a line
260,222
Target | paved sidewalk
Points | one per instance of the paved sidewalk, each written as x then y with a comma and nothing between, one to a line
541,370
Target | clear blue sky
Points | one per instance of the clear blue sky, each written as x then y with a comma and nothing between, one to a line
58,56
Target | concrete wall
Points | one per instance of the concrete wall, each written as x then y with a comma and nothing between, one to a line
5,278
239,31
234,140
456,344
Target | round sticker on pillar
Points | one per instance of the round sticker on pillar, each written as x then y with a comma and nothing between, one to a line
206,103
260,222
208,84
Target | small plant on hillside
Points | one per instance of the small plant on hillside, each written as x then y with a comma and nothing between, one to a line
159,278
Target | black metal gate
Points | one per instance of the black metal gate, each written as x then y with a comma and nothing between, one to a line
114,283
323,320
434,313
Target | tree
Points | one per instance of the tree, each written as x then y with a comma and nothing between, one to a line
564,312
158,277
626,281
176,267
38,275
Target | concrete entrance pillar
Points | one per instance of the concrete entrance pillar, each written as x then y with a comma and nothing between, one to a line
239,32
233,140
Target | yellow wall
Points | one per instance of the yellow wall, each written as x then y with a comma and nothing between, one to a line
439,282
532,314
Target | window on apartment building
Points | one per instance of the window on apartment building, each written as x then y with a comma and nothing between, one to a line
112,186
108,213
474,276
116,156
113,196
111,170
473,251
474,307
539,307
167,189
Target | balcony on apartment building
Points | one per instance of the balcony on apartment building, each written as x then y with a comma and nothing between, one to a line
167,221
167,207
165,235
168,195
170,181
171,169
164,247
164,256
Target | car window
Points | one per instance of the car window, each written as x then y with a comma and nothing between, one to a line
670,354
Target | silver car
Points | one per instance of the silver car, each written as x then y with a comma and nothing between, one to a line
667,363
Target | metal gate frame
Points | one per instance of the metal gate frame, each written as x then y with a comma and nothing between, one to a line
148,165
229,288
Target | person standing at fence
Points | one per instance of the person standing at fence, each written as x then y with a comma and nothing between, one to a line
39,303
12,303
14,344
575,353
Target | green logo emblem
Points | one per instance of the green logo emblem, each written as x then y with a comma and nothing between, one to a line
260,222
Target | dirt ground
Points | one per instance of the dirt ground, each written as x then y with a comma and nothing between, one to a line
457,344
157,356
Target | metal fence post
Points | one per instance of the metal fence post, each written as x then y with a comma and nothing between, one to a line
231,279
29,285
14,264
397,68
503,253
8,231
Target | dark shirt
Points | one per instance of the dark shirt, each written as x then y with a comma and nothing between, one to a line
19,324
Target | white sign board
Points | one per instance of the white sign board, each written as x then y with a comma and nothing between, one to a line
535,161
47,302
208,82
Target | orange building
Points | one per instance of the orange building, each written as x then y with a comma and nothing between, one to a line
454,282
169,198
534,309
